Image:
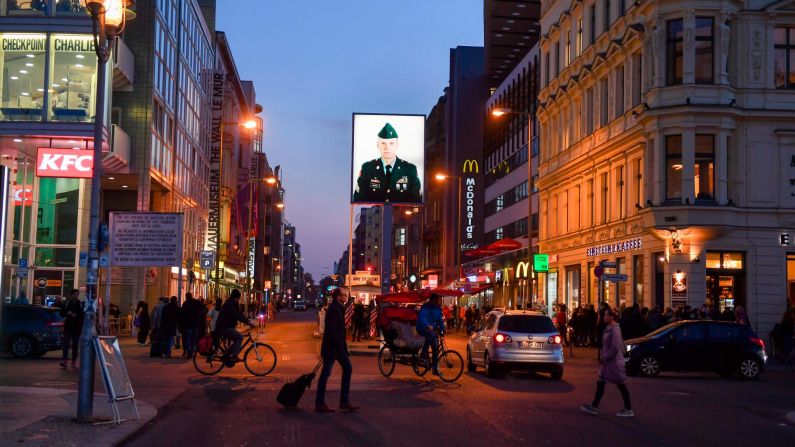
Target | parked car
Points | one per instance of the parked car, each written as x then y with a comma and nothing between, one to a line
27,331
722,347
299,305
516,340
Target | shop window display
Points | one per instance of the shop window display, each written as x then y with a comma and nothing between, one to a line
22,84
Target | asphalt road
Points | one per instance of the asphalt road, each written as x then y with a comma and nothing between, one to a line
236,409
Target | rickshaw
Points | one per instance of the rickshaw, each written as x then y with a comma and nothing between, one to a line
401,344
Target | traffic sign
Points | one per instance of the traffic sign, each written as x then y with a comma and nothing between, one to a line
608,264
23,263
103,260
598,271
615,278
83,262
207,259
22,270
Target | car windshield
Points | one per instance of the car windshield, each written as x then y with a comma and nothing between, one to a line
527,324
663,330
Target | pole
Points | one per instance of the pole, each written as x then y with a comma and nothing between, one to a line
386,247
350,249
218,227
85,390
248,242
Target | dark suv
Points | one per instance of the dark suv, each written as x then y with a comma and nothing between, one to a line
27,331
719,346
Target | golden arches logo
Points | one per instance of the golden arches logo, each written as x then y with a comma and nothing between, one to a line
471,166
522,269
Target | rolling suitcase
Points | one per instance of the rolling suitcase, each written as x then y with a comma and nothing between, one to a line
292,392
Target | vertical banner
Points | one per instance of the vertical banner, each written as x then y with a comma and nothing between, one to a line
216,153
471,206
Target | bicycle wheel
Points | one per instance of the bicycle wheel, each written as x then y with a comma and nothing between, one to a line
260,359
451,366
386,361
207,364
419,365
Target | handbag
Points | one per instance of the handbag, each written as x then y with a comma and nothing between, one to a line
137,322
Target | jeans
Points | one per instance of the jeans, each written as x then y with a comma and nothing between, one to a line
189,338
432,340
237,341
347,371
168,342
600,391
74,341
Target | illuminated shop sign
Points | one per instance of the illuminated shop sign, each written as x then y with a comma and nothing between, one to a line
24,42
472,168
74,44
64,163
23,195
630,245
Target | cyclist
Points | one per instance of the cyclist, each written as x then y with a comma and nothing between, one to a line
430,319
227,321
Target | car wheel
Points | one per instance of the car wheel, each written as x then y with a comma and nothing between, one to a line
471,367
750,368
557,375
23,346
491,368
649,366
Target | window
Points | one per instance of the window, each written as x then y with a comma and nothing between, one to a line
724,260
557,58
526,324
705,44
674,48
604,96
592,15
73,81
588,110
567,51
620,191
637,78
621,269
790,280
578,45
719,331
607,16
639,182
604,198
690,333
549,67
590,198
619,96
637,279
499,203
705,167
57,212
784,56
673,167
23,76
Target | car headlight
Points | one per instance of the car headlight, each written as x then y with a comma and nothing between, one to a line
630,347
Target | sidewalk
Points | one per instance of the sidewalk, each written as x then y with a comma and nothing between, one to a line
46,416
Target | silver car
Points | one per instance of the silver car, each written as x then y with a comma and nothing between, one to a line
516,340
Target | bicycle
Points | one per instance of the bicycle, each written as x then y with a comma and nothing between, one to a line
450,364
259,358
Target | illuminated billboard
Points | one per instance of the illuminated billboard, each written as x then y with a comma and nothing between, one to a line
388,159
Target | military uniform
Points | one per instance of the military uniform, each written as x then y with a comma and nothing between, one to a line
402,186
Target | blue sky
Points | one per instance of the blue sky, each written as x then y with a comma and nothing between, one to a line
313,64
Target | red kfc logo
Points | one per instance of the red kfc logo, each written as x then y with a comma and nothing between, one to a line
67,163
23,195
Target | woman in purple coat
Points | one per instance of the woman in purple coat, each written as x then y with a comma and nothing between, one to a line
613,369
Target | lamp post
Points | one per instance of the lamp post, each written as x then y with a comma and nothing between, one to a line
270,181
499,112
108,18
443,177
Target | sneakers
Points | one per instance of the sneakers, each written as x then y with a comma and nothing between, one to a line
625,413
590,409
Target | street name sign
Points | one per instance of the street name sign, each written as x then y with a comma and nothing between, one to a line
615,278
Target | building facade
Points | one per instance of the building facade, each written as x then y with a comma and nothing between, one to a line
666,150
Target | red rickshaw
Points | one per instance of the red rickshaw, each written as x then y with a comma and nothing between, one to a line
401,344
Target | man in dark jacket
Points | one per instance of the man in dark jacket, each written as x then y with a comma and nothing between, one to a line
192,317
227,321
334,348
168,324
72,312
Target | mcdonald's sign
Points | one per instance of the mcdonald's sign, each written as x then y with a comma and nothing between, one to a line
471,166
522,269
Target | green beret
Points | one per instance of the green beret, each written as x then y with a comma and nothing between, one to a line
388,132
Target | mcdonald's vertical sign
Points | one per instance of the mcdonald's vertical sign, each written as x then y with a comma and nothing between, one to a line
471,208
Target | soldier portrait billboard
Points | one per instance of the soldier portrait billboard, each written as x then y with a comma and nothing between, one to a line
388,159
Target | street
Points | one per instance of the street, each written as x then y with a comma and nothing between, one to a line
237,409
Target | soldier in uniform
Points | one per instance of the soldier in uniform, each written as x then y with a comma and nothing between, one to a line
388,178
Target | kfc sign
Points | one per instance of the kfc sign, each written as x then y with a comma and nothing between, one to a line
68,163
23,195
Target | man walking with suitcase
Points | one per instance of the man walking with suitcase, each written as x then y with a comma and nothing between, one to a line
334,348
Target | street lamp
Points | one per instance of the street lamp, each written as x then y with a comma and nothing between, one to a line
108,18
441,177
270,181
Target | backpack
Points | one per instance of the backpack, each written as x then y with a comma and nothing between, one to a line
205,344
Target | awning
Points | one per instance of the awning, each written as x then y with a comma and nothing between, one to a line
480,289
504,245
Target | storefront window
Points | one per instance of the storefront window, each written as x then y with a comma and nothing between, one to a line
673,167
593,283
573,286
26,7
705,167
56,217
70,7
713,260
55,257
732,261
74,78
637,279
22,84
621,269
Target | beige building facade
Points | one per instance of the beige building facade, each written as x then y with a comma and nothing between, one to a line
668,149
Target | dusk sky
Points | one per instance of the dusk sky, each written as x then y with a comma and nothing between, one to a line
314,63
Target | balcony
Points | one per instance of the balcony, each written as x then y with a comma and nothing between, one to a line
123,67
118,158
